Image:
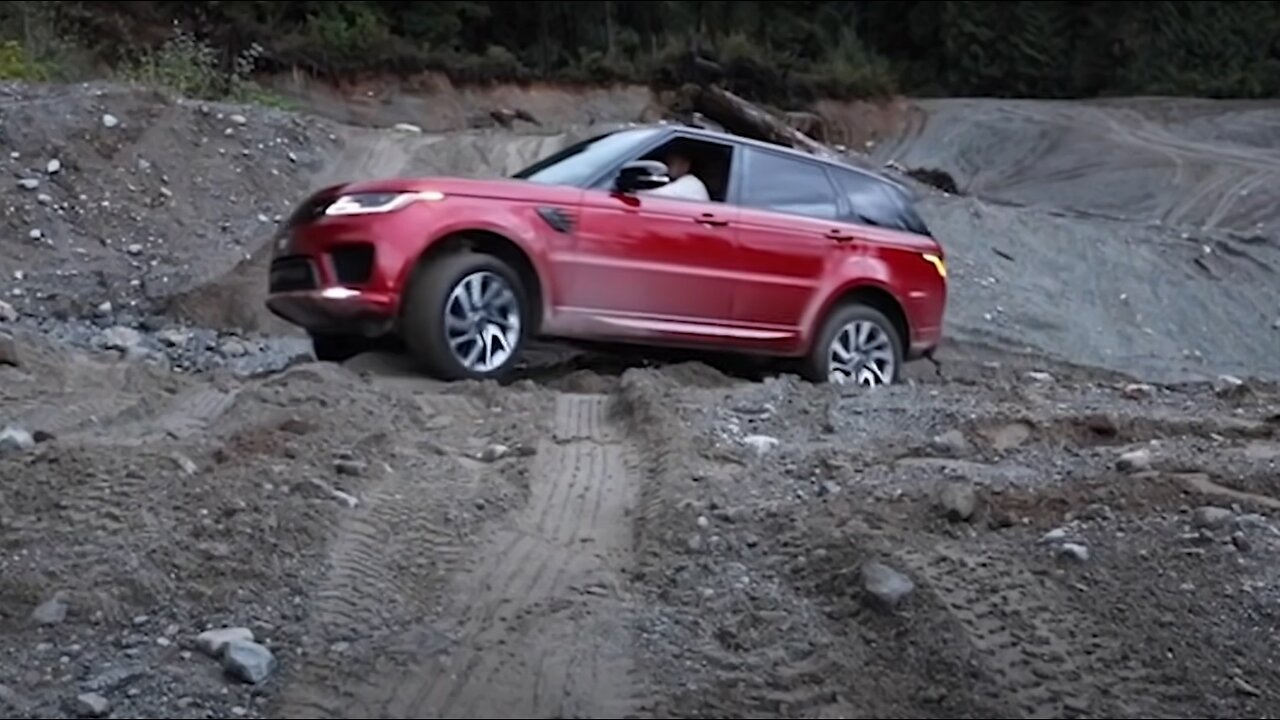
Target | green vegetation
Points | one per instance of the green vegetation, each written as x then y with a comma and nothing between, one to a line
784,53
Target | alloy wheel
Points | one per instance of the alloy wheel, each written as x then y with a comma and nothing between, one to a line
482,321
861,352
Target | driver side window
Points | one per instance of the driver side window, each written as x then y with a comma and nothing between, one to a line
707,161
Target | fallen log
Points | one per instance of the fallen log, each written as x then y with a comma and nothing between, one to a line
741,117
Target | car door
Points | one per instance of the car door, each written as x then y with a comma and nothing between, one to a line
650,263
788,235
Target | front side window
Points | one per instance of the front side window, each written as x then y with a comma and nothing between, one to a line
787,185
577,164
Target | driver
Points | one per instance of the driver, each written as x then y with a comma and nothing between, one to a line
684,184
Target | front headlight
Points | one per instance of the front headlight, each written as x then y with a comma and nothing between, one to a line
382,202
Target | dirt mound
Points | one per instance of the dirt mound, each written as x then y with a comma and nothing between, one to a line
124,197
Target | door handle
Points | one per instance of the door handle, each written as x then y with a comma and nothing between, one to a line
710,219
838,236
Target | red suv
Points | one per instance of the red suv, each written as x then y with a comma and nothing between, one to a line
775,252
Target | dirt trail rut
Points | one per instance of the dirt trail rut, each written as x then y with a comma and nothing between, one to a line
542,627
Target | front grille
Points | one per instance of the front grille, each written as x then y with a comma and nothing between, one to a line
353,263
289,274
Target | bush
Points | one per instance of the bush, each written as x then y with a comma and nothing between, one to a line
16,65
189,67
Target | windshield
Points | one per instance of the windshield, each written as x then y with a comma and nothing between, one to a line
580,162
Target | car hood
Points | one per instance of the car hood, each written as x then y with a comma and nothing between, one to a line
497,189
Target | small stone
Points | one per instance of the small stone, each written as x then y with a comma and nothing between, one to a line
958,501
52,611
1040,376
704,522
1134,461
348,466
53,166
1209,517
28,183
1055,535
1139,391
234,348
134,248
120,338
212,642
762,444
1228,386
92,705
248,661
44,199
494,452
886,586
952,443
7,312
407,127
1074,551
35,234
8,350
109,120
186,464
1244,687
238,119
174,338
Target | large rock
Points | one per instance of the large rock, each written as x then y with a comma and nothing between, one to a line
213,642
248,661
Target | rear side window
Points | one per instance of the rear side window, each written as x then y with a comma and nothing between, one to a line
787,185
872,201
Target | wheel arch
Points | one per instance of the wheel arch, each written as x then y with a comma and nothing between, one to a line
499,245
872,295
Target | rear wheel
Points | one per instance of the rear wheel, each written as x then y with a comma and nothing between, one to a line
466,317
857,345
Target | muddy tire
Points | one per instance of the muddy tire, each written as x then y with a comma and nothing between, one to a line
875,361
337,348
449,334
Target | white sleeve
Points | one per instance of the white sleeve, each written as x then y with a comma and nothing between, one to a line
688,187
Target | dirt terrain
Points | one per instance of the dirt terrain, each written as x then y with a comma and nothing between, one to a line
1073,514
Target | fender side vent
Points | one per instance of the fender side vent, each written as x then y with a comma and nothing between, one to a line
560,219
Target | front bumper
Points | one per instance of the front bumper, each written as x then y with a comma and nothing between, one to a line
336,310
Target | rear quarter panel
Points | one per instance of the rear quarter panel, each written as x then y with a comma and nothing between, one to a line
894,262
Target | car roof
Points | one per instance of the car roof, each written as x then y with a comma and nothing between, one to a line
777,148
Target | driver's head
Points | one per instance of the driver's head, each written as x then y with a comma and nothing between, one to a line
678,164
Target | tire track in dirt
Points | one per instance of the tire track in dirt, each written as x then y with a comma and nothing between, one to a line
542,626
1039,652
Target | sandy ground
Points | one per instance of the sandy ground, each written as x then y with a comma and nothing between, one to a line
1072,515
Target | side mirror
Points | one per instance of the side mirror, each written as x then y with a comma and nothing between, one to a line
641,175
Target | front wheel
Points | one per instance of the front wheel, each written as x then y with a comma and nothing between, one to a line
857,345
466,317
